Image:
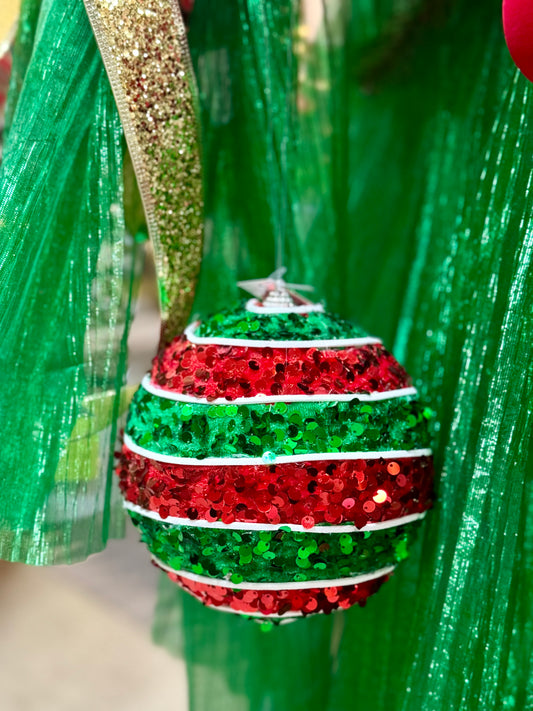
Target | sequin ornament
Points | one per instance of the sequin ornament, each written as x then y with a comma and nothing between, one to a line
276,460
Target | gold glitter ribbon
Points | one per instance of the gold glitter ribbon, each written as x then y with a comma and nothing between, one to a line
145,52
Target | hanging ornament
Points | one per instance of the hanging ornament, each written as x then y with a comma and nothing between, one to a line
276,460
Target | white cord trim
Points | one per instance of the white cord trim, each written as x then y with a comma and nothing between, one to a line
285,618
292,585
282,459
245,526
253,306
249,343
266,399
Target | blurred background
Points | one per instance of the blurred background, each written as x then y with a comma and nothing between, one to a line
88,625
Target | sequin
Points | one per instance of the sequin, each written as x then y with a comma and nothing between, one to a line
239,323
380,496
296,493
208,430
236,371
284,556
280,602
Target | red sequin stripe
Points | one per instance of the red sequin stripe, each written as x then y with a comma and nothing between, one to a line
358,491
279,602
230,372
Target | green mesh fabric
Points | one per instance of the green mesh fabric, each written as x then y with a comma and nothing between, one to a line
65,286
411,212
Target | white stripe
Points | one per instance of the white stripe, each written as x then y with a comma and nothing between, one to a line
253,306
292,585
249,343
284,618
245,526
282,459
266,399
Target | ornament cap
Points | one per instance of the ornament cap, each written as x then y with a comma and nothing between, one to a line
274,293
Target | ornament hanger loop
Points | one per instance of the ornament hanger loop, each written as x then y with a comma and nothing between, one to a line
274,294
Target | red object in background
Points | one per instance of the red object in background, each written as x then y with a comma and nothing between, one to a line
187,5
5,71
518,30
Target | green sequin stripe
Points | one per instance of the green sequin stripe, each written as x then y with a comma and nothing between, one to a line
200,430
239,323
274,556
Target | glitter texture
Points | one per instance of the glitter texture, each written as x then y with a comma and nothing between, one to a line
277,556
145,52
301,493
